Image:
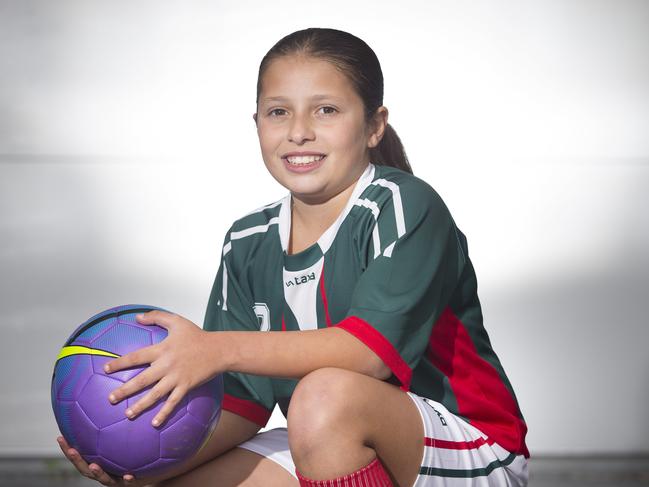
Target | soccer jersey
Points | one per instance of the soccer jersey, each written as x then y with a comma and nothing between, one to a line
393,270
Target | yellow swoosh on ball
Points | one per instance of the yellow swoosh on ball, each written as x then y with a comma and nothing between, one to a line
79,350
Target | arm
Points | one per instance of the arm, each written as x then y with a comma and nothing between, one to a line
294,354
190,356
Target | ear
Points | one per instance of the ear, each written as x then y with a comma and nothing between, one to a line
378,123
254,117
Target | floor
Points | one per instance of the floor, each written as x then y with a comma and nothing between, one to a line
544,472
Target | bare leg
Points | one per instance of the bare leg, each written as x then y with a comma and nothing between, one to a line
221,464
339,421
238,467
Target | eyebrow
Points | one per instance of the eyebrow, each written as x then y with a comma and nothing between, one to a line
314,98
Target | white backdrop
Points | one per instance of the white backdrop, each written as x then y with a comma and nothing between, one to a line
127,148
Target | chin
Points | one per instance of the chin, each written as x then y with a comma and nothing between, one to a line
301,184
306,194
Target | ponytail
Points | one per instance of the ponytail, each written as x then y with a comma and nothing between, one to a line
390,151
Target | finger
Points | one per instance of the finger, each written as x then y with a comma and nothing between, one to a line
128,478
157,317
156,393
142,380
92,471
100,475
167,408
75,457
143,356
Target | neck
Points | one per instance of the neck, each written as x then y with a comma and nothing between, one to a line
319,215
310,219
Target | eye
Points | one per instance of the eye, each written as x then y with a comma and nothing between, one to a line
327,110
277,112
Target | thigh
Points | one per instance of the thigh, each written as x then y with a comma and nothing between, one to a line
237,467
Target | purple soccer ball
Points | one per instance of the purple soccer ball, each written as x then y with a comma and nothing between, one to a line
98,429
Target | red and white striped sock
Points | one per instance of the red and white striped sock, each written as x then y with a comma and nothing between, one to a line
372,475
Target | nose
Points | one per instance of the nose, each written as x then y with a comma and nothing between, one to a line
300,129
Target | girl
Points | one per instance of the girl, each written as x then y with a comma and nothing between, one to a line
351,303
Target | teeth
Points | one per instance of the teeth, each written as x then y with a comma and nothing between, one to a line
299,160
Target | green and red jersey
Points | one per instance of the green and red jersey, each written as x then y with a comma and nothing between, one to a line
393,270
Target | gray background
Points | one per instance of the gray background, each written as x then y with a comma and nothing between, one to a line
127,148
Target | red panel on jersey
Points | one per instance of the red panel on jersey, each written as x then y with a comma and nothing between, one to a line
380,345
494,412
246,409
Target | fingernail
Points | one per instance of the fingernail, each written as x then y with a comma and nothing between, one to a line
155,422
139,316
129,413
107,368
112,398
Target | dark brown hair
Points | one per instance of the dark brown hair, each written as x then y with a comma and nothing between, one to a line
356,60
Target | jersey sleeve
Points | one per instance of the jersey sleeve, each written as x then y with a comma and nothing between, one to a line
230,308
414,262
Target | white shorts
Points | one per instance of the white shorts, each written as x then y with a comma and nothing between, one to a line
455,453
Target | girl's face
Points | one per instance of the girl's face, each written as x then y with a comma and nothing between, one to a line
311,127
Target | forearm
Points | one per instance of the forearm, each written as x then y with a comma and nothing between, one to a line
293,354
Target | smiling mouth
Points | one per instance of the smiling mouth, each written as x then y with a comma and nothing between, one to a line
303,160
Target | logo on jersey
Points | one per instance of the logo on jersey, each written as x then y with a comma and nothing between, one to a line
296,281
263,316
439,415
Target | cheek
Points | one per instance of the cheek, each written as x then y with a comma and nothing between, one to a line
268,139
351,138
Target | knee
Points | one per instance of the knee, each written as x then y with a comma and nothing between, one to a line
321,404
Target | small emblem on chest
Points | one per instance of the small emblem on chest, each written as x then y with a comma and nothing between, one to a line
296,281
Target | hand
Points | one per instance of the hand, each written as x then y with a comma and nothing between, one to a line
180,362
93,471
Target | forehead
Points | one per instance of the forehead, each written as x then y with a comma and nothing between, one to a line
297,76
